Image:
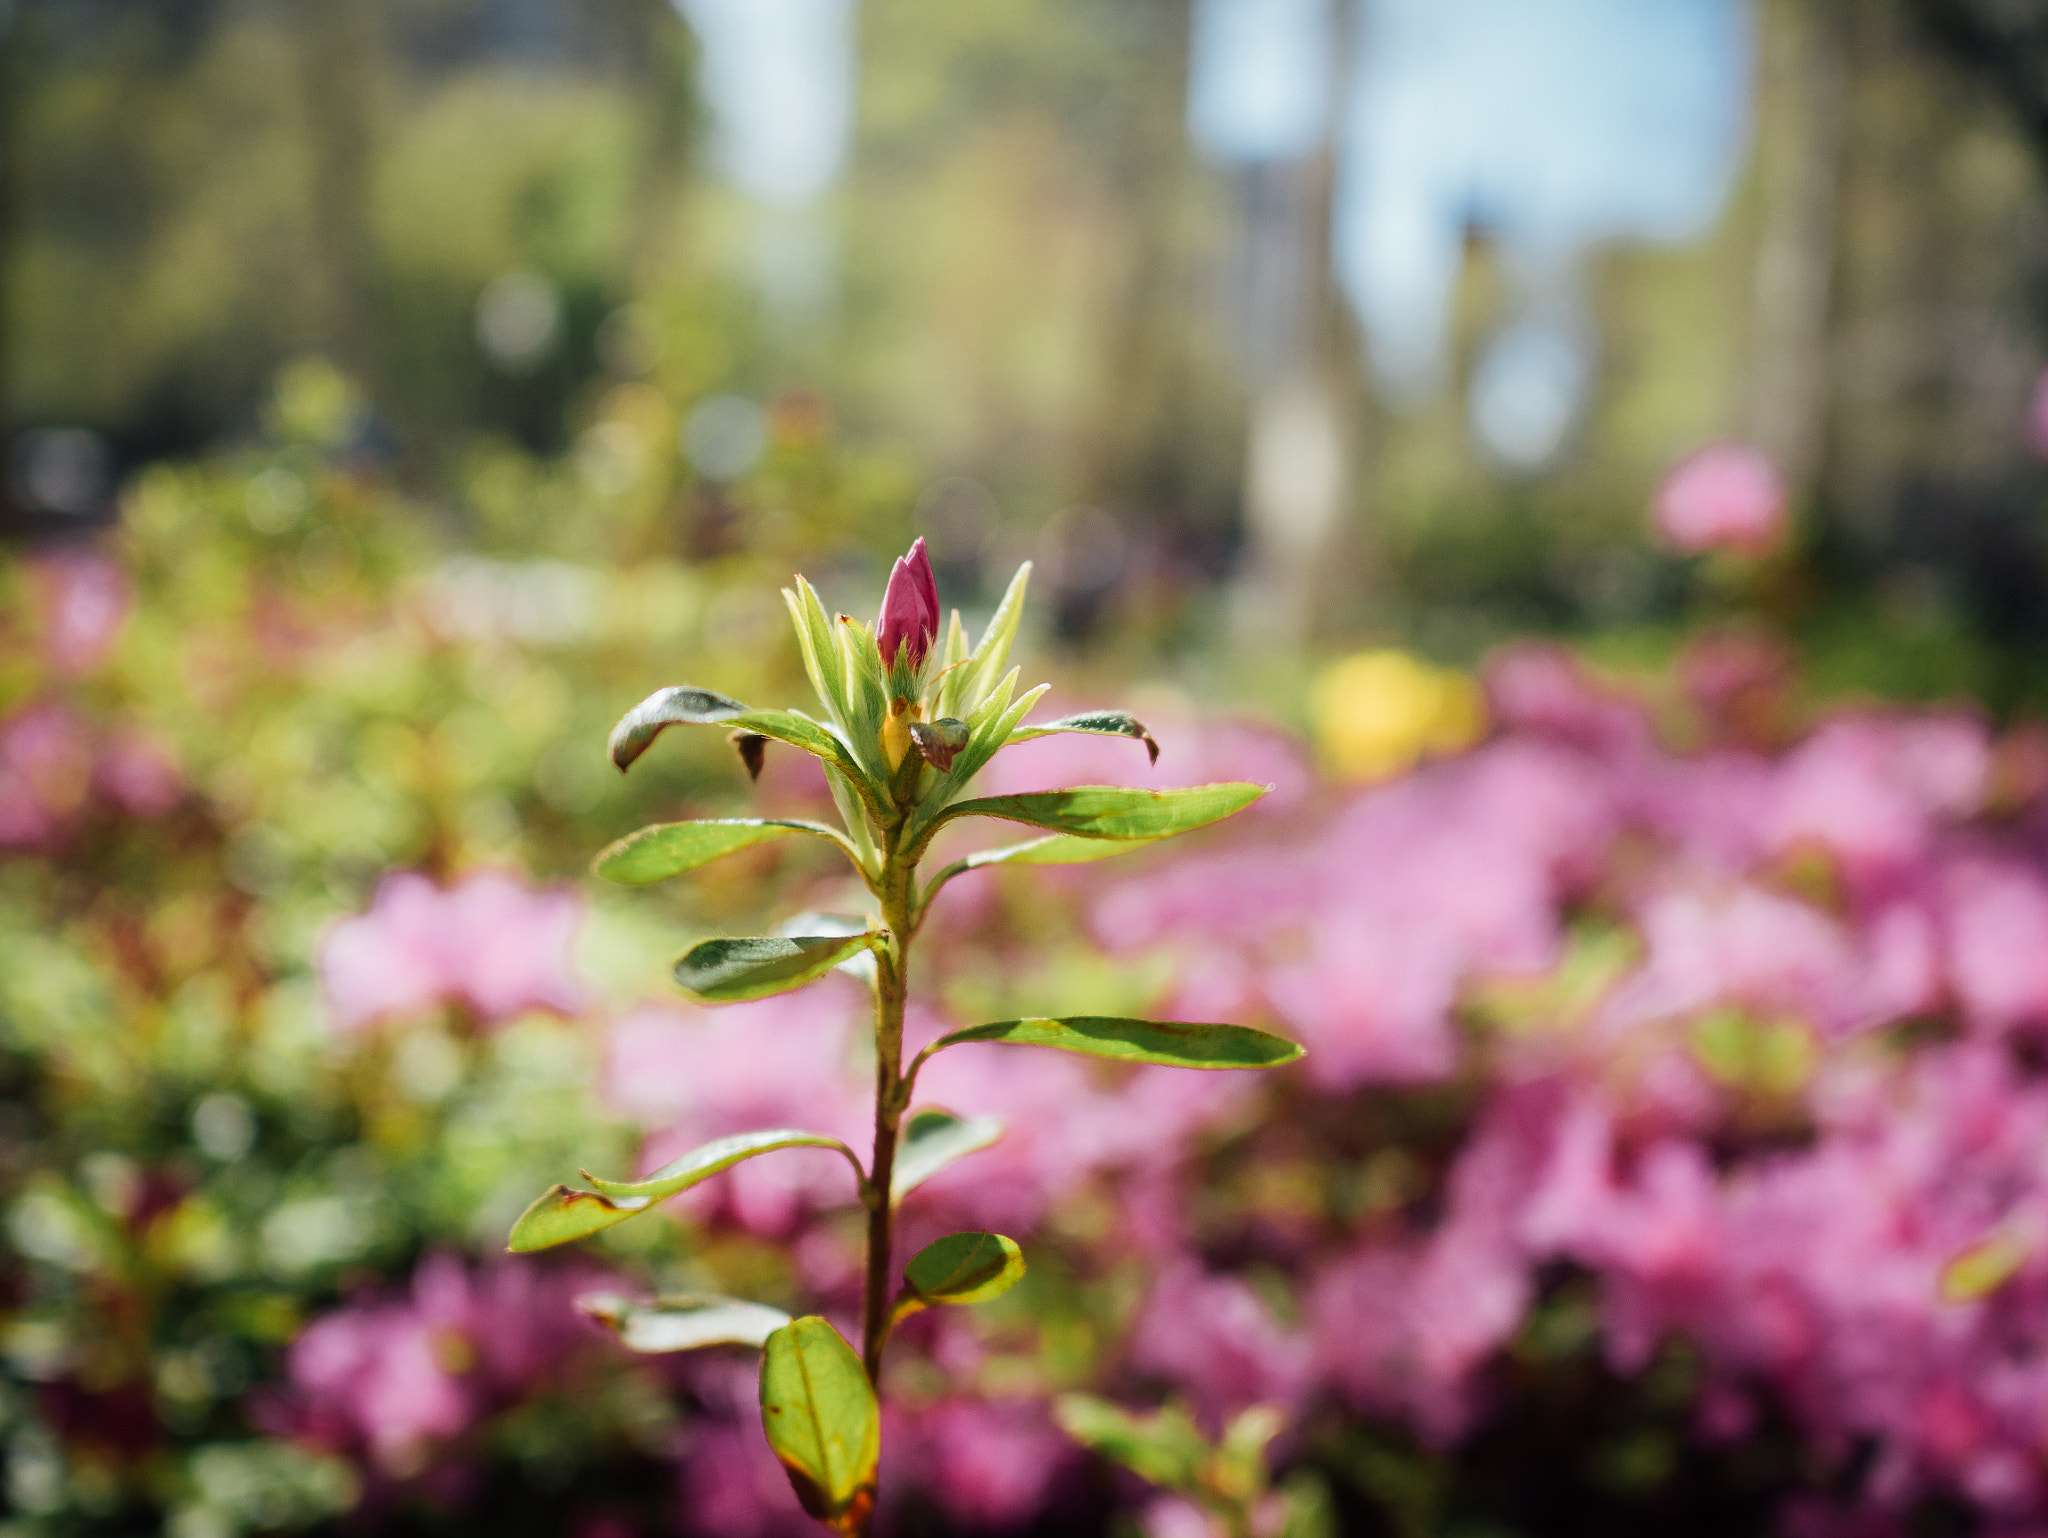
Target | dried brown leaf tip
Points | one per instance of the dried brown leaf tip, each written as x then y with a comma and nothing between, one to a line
753,751
940,741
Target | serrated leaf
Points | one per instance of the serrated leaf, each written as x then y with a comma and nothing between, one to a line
1166,1447
822,1421
933,1139
683,1322
1116,812
1169,1043
1094,723
667,849
731,971
967,1267
563,1213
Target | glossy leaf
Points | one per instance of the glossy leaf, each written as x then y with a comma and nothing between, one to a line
670,848
1095,723
989,724
964,1268
822,1422
1057,849
1116,812
933,1139
731,971
1165,1447
1170,1043
688,706
684,1322
563,1213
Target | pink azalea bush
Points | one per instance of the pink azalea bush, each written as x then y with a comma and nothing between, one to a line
488,943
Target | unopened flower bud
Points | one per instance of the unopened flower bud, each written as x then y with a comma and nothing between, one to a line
910,609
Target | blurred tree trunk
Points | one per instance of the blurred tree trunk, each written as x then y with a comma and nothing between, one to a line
339,67
1805,91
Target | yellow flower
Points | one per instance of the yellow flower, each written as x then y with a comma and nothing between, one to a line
1378,713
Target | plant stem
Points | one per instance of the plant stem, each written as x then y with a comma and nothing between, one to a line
892,987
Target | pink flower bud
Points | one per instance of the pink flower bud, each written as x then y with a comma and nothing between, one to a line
910,609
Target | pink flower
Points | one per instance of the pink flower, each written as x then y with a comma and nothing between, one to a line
910,609
1212,1337
45,774
399,1378
1997,930
991,1466
490,943
1873,790
1727,496
82,599
137,772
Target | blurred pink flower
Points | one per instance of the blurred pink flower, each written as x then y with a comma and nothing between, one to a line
697,1074
1874,790
45,774
489,942
990,1465
82,601
394,1380
1213,1339
139,774
1997,932
1727,496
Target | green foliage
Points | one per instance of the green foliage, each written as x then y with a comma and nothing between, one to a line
1103,811
933,1139
823,1422
671,848
1170,1043
686,1322
963,1268
729,971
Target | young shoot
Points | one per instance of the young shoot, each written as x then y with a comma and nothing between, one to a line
910,718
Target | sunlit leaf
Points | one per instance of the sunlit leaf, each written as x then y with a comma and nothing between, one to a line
1057,849
933,1139
688,706
818,641
683,1322
973,681
1165,1447
964,1268
729,971
822,1422
670,848
1116,812
1095,723
1172,1043
564,1213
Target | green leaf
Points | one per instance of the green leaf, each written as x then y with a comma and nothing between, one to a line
730,971
670,848
687,706
988,727
1057,849
822,1422
1109,811
1171,1043
933,1139
1166,1447
818,641
964,1268
1095,723
683,1322
966,688
563,1213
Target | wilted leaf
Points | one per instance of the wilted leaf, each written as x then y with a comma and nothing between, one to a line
1116,812
933,1139
564,1213
1095,723
1172,1043
683,1322
730,971
669,848
964,1268
822,1421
